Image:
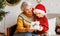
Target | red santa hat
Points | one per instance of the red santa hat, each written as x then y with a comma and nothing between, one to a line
40,9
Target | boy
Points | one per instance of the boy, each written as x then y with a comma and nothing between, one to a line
40,16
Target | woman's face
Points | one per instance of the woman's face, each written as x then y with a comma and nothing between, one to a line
28,10
38,14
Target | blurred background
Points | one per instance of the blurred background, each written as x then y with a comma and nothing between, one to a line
52,6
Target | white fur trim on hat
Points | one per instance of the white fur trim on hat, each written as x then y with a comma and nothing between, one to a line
39,11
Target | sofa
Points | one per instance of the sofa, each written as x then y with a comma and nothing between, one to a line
51,17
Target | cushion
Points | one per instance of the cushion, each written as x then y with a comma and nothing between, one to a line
52,25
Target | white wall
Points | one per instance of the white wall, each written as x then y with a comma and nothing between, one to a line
52,6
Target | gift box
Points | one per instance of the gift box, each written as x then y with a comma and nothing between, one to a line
35,25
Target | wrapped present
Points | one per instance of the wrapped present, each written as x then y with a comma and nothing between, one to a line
35,25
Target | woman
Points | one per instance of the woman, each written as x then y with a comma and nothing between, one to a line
24,21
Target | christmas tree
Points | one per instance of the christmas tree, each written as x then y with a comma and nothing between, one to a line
2,6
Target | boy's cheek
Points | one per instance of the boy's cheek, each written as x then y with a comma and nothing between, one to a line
40,16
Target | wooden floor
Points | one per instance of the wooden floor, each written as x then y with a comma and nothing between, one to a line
4,35
1,35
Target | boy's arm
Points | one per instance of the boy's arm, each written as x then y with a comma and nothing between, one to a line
45,26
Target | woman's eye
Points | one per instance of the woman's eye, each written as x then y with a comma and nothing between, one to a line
27,9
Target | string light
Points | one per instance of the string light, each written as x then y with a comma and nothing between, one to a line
38,1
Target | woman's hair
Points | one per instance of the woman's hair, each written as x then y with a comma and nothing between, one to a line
24,4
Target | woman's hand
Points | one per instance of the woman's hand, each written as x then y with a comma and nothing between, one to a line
30,30
35,25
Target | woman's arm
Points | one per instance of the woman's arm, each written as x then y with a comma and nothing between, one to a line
20,25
